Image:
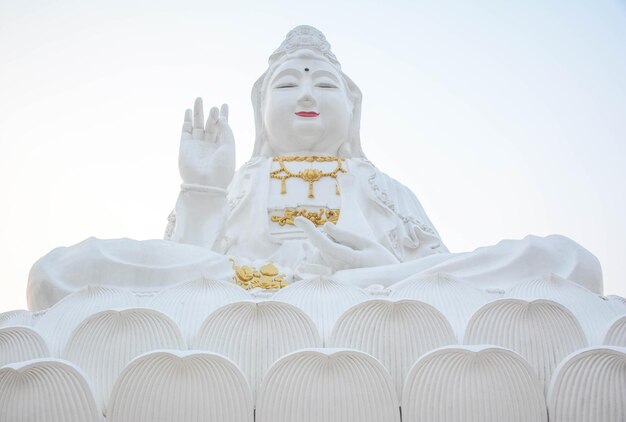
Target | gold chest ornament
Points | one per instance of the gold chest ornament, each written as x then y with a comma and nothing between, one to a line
309,175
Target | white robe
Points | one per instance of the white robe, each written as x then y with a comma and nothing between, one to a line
235,224
372,204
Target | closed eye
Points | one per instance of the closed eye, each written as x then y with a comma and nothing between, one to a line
326,85
285,85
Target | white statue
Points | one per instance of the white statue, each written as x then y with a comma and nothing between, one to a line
308,201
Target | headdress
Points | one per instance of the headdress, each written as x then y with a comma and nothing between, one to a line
304,37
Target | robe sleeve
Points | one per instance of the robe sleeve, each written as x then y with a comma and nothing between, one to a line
416,235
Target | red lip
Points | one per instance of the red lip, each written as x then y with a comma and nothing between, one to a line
307,114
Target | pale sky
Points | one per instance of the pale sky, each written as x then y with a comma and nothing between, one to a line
504,118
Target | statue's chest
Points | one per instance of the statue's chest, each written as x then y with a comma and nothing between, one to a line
303,187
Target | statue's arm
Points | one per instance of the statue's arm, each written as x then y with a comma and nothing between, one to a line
206,164
200,214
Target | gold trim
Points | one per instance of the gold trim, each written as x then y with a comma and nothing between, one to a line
319,218
309,175
266,277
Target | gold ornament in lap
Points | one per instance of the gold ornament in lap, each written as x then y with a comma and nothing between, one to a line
266,277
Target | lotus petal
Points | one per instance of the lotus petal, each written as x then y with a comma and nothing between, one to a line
590,386
256,334
322,299
106,342
593,313
329,385
473,384
542,331
17,317
396,333
616,333
21,343
176,386
454,298
190,303
60,320
49,390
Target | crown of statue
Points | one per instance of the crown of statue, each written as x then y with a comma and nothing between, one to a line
304,37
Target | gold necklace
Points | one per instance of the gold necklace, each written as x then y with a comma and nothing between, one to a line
309,175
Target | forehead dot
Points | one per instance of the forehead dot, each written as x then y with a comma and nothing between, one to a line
306,69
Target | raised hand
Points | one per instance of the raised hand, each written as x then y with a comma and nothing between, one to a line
207,150
342,249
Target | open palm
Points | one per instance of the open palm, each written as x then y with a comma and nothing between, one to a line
207,150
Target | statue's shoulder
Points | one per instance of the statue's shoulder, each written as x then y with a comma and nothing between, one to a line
254,162
399,199
387,190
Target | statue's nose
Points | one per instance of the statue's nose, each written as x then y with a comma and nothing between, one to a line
306,97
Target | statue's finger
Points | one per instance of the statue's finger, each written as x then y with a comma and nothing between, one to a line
214,116
198,114
345,237
319,239
310,230
224,112
333,253
198,120
211,124
187,122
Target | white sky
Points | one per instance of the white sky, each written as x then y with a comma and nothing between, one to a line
505,118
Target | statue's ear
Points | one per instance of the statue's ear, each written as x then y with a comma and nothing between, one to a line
345,150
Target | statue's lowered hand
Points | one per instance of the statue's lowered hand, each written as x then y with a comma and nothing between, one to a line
342,249
207,150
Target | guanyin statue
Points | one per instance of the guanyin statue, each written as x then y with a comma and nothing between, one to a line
307,202
309,286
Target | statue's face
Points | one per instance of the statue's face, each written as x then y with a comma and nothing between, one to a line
307,108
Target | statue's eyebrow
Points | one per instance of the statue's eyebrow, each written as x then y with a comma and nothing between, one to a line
287,72
322,72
